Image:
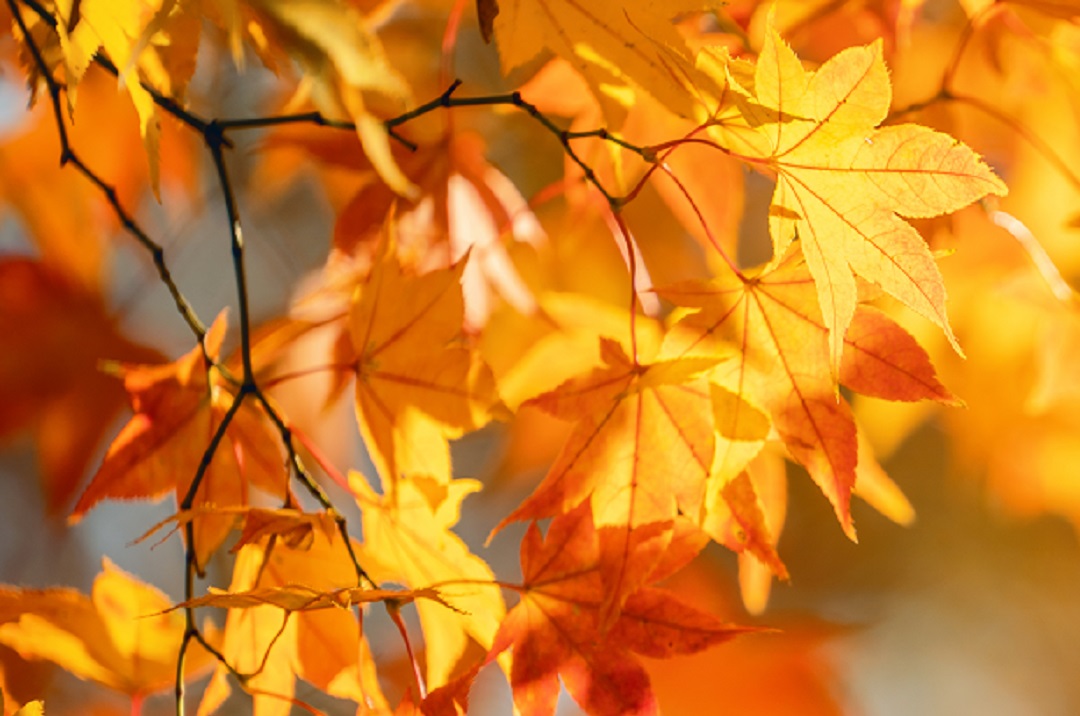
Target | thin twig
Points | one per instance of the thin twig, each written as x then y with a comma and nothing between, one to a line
446,100
168,104
68,155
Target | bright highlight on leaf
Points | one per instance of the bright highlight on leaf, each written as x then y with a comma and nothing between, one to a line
118,636
534,259
418,383
784,364
843,183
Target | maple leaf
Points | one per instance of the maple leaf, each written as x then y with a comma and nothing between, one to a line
322,645
59,394
417,383
409,540
616,48
842,183
463,206
178,408
143,48
117,637
156,43
640,452
555,628
783,364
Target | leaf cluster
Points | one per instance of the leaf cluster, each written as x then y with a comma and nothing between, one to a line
465,293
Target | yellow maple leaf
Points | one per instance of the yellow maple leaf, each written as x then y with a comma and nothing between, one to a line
617,47
164,59
783,367
410,541
418,384
273,646
843,183
118,637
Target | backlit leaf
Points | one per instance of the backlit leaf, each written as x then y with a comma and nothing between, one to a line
118,637
178,407
784,365
843,183
555,629
410,541
617,48
418,383
321,644
640,453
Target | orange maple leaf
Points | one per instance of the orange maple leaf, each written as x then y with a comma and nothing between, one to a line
418,383
55,333
128,33
178,408
783,364
842,182
556,632
640,452
118,637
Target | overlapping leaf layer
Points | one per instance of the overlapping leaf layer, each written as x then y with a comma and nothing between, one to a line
563,272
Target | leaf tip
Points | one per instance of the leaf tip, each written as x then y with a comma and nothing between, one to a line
848,525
